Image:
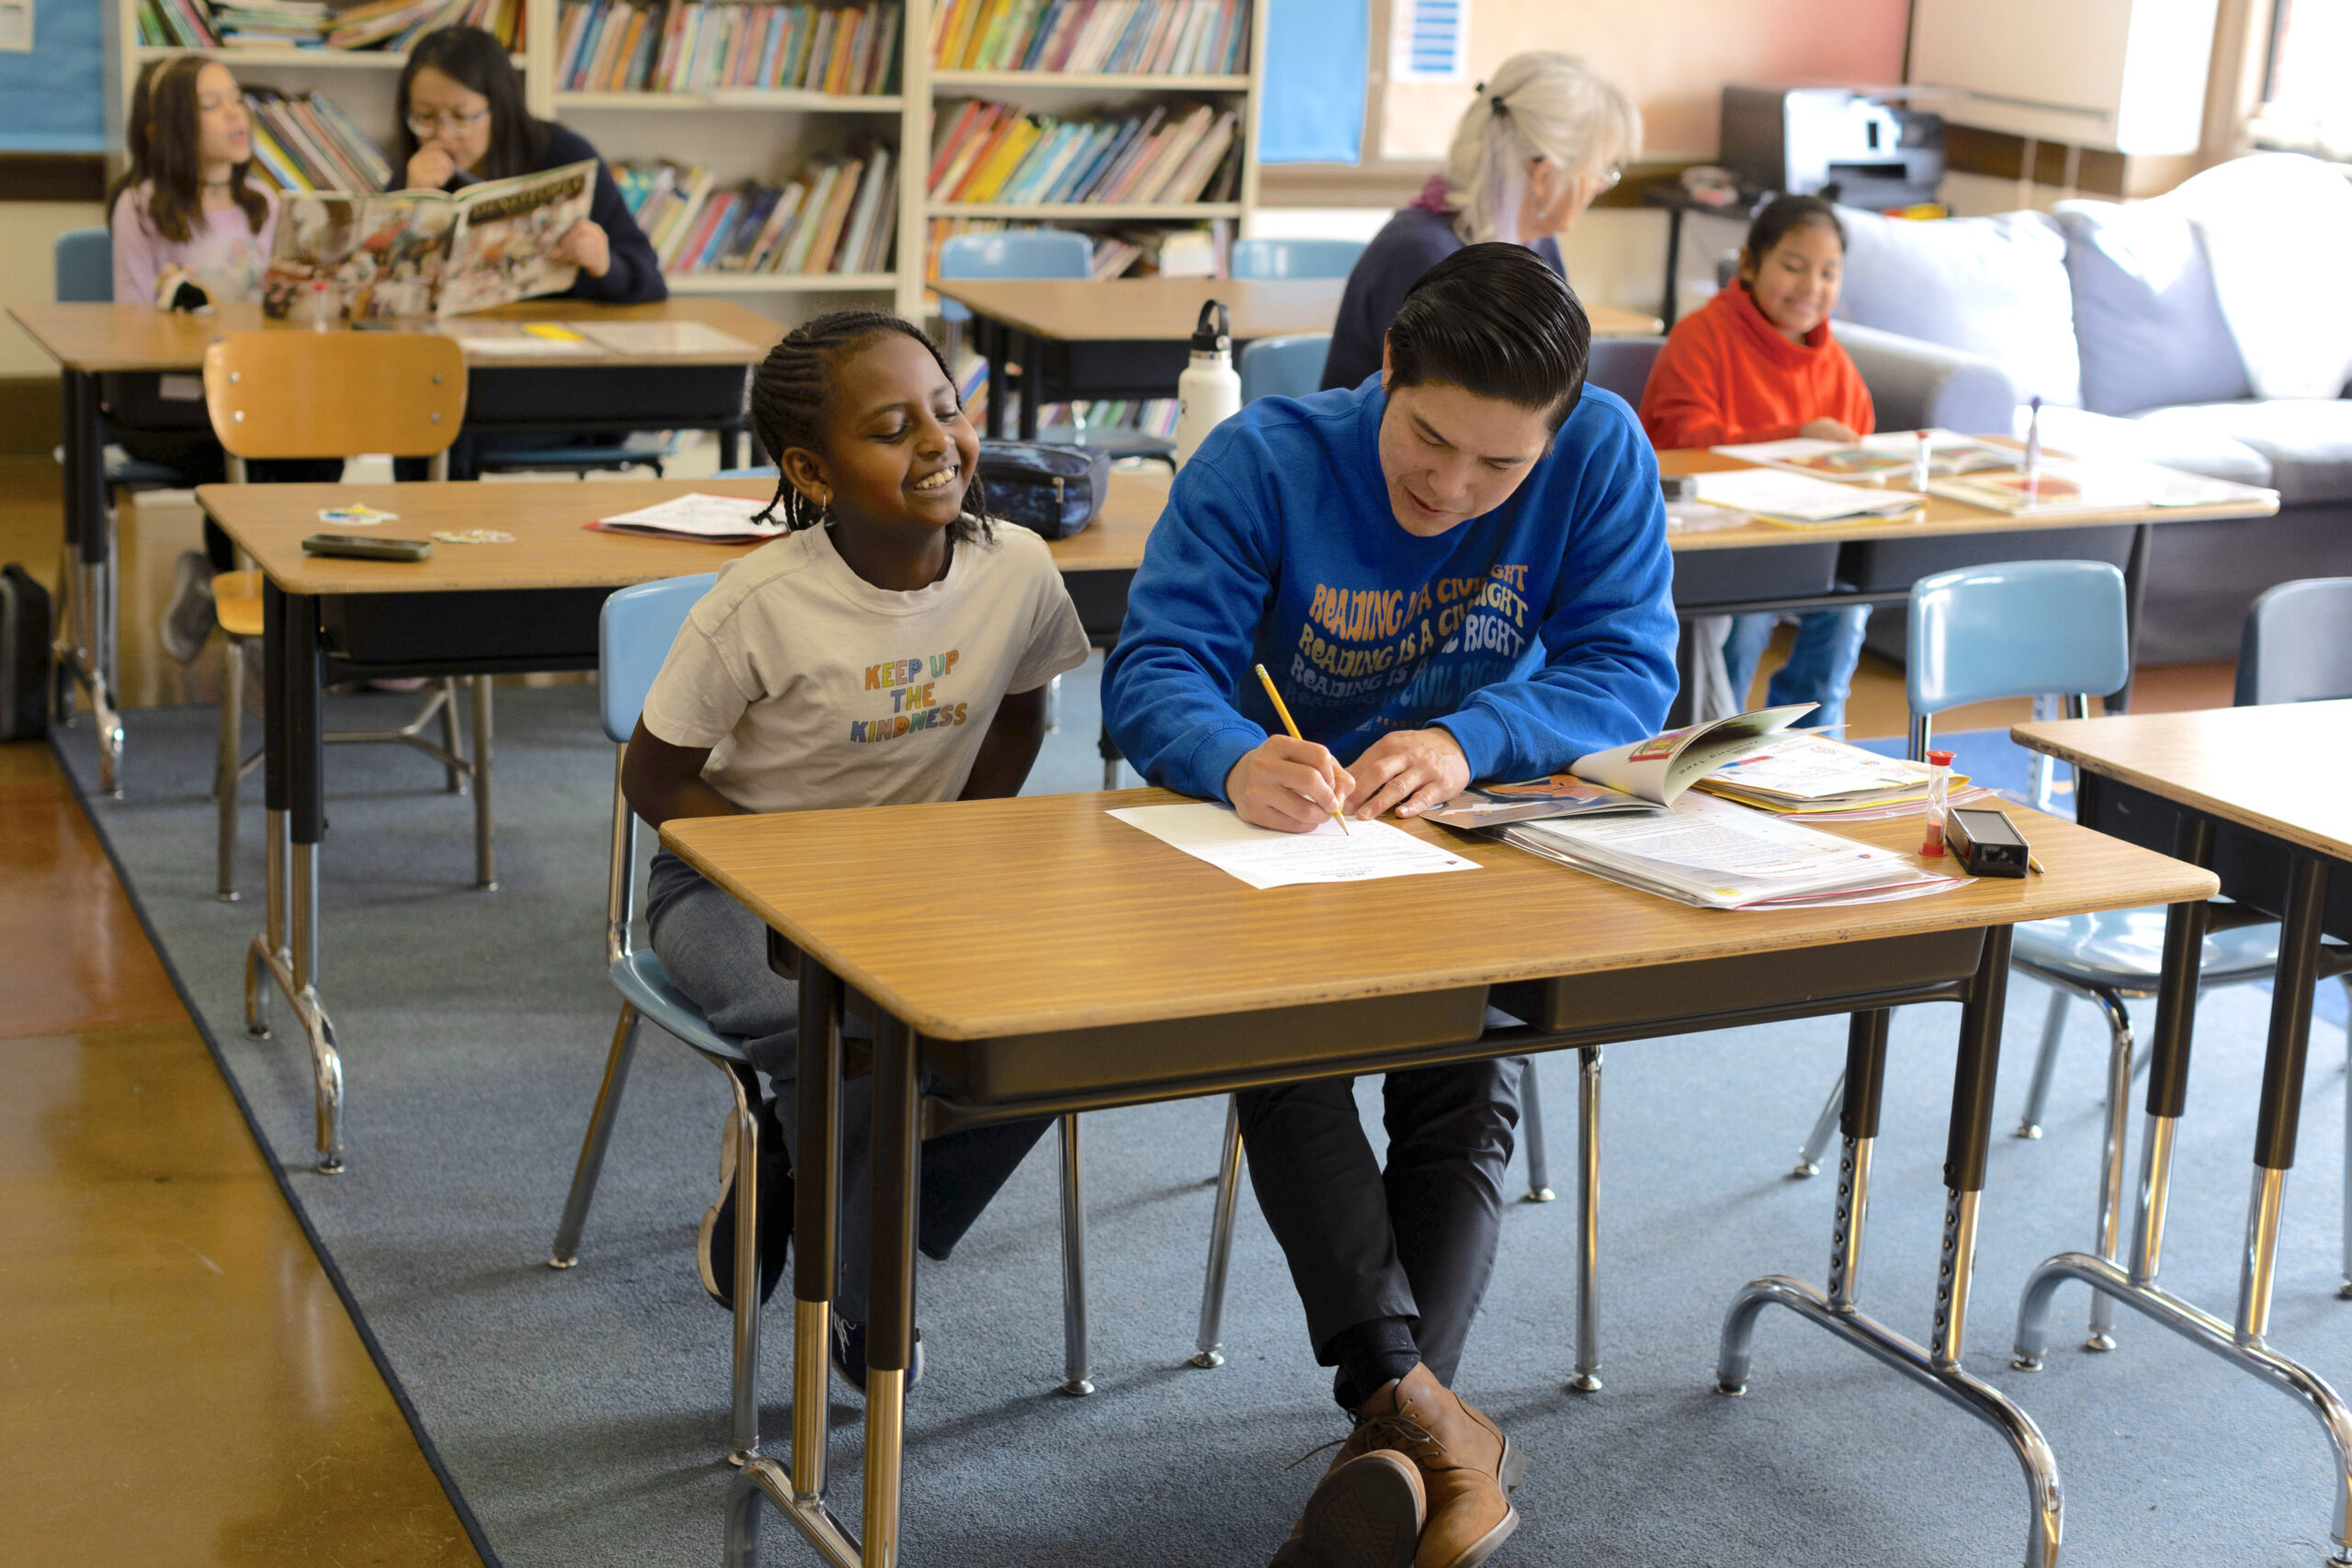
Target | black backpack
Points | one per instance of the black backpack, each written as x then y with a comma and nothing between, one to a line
24,654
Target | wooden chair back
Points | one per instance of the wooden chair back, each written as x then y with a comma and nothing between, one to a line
335,394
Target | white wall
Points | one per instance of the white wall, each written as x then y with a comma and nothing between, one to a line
1616,256
28,231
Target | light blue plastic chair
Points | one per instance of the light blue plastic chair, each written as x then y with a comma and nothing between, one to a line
82,262
634,637
83,259
1623,364
2297,646
1283,366
1295,258
2030,629
1014,253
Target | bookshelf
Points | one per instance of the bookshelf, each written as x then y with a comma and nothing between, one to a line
769,134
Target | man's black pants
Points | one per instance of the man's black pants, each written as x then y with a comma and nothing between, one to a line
1416,1241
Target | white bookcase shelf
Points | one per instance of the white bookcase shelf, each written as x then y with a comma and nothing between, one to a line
763,133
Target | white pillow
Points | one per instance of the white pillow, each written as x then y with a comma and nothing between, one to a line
1992,286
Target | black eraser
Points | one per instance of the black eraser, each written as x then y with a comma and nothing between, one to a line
1986,843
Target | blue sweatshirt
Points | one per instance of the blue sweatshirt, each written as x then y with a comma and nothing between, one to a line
1536,634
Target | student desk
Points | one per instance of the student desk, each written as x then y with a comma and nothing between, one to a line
1770,566
472,609
2257,794
91,342
1130,337
1191,983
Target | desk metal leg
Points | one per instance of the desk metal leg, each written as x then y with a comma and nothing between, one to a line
1588,1374
2135,591
1673,266
1937,1365
287,949
1076,1379
2241,1343
889,1335
1208,1344
994,343
799,1494
90,655
1033,381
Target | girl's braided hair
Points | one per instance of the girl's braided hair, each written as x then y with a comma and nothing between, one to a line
789,394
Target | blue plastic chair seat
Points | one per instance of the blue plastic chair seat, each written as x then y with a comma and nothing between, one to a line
640,978
2125,947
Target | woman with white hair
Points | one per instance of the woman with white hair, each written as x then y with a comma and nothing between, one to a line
1542,137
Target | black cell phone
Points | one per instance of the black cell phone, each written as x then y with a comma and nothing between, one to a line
366,547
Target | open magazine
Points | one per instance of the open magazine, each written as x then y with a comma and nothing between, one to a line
346,256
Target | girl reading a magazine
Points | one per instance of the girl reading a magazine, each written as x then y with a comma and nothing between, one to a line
462,119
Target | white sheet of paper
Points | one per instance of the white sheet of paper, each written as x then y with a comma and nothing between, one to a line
1774,493
701,516
1262,858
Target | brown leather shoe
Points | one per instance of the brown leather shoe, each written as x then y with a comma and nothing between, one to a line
1467,1467
1367,1513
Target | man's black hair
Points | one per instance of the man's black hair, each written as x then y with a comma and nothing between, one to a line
1494,321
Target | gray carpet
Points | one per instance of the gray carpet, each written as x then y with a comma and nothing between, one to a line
581,1415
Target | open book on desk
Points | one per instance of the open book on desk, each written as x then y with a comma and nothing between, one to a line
1753,759
1887,455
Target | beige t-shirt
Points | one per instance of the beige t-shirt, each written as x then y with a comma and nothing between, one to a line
814,688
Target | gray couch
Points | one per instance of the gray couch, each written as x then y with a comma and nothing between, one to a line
2111,314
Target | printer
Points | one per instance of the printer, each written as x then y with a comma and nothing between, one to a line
1844,143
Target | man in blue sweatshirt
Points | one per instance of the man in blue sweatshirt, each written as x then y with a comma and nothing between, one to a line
1457,570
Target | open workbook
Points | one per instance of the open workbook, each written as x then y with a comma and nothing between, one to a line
1753,759
1888,456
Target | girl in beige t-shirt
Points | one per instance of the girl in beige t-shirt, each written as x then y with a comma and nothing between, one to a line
893,648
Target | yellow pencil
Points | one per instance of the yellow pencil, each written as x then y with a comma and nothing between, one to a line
1292,725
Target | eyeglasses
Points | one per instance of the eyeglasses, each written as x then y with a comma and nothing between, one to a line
423,126
1605,180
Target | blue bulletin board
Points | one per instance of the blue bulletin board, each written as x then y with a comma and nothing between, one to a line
1317,52
53,98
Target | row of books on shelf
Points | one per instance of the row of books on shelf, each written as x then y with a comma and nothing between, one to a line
613,46
1119,36
390,25
995,152
838,214
303,142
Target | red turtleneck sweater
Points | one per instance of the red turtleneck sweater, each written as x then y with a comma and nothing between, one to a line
1726,375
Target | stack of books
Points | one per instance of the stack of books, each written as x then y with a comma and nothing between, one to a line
394,25
838,214
1113,37
1169,155
612,46
303,142
272,24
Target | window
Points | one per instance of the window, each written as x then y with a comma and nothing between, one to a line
2306,97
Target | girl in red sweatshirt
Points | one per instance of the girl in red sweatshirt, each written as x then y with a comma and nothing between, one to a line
1758,364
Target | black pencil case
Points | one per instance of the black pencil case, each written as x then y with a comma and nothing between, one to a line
1053,489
